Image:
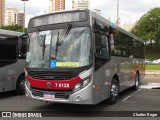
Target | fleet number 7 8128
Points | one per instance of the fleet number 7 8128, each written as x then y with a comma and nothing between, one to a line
62,85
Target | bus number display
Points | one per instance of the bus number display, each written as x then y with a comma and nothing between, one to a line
62,85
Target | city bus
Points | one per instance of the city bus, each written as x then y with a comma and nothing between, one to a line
12,61
79,57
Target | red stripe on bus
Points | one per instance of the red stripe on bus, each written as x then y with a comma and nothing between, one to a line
54,84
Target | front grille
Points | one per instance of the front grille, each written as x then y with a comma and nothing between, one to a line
51,75
58,94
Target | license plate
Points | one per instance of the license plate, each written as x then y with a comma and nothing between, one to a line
49,96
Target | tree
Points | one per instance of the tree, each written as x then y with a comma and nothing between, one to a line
14,28
148,27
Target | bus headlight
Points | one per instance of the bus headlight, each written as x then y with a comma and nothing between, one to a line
82,84
28,84
85,82
77,87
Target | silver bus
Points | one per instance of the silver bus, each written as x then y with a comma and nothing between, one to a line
12,61
80,57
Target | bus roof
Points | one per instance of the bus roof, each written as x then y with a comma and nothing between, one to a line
12,33
97,16
113,25
4,34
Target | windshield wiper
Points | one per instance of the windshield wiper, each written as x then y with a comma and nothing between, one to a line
41,39
61,38
44,48
64,35
57,45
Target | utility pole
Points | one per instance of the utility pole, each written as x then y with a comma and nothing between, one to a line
24,14
117,12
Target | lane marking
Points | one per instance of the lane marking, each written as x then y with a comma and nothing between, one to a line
126,98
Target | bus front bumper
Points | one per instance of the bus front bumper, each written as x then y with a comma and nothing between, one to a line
83,96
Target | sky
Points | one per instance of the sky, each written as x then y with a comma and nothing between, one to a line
129,10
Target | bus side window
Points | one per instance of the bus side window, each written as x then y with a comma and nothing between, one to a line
101,49
22,47
8,53
104,46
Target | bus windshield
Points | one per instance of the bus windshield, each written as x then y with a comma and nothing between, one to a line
69,47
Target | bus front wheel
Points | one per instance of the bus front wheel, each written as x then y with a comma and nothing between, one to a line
20,85
114,92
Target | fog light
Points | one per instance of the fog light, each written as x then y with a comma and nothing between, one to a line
78,98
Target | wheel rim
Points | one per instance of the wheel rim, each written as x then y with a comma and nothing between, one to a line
22,84
114,90
137,81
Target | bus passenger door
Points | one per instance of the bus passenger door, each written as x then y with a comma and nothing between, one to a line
102,60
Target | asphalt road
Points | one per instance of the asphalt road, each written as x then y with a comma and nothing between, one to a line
144,99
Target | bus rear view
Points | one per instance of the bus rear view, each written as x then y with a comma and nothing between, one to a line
62,64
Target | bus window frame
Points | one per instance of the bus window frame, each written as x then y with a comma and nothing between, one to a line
20,45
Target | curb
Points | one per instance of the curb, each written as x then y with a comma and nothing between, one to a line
154,72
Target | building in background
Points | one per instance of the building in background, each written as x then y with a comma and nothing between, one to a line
80,4
15,17
20,18
2,12
56,5
12,16
52,6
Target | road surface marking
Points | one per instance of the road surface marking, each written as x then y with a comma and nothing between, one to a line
126,98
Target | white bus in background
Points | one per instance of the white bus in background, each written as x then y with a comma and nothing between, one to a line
12,61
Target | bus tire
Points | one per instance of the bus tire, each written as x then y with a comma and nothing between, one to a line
20,85
137,79
114,92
